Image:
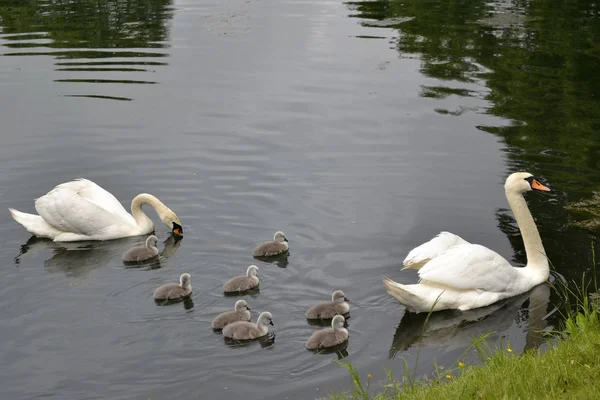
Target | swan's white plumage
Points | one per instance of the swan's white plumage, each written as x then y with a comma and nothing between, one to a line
82,210
422,254
471,266
91,192
455,274
71,210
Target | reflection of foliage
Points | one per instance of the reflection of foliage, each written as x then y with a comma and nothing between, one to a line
539,64
539,61
78,31
589,208
86,23
441,92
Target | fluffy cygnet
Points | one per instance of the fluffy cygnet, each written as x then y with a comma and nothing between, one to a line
242,330
329,309
241,312
278,245
175,291
138,254
242,283
329,337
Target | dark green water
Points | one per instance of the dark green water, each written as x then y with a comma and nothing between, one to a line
360,129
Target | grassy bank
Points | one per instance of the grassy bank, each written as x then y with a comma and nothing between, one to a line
569,369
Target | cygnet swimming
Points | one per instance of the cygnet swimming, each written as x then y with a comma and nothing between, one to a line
242,330
242,283
241,312
278,245
329,309
329,337
144,253
175,291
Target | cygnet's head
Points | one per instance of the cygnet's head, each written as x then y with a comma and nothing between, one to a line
185,280
279,237
151,241
265,318
339,297
241,305
252,270
337,322
521,182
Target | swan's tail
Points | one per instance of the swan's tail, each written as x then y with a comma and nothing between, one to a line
34,224
402,293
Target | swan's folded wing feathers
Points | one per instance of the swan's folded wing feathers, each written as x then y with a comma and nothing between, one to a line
470,267
93,193
65,210
101,197
432,249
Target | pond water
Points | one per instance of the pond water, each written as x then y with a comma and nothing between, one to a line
360,129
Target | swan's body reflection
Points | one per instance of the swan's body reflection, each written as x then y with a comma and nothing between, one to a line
456,329
77,259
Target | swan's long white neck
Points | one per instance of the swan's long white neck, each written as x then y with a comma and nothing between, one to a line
145,224
537,261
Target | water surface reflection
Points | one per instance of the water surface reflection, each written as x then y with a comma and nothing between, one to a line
457,329
359,136
93,43
78,259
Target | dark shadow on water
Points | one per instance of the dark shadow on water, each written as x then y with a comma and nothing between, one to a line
327,322
455,329
252,293
187,302
265,341
341,350
281,260
151,263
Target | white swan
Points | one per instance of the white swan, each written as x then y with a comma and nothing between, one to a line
81,210
466,276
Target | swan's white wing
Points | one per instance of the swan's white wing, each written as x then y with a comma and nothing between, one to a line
93,193
67,211
471,266
422,254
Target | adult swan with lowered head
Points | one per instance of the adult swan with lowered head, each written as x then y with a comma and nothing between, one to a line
81,210
456,274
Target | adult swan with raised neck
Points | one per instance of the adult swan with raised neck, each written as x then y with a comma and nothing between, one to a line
455,274
81,210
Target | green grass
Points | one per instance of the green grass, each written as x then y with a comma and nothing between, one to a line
569,369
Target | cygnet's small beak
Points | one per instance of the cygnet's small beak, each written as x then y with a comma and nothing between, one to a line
271,322
346,299
248,308
285,239
177,229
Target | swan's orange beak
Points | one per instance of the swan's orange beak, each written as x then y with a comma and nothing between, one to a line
177,229
538,186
